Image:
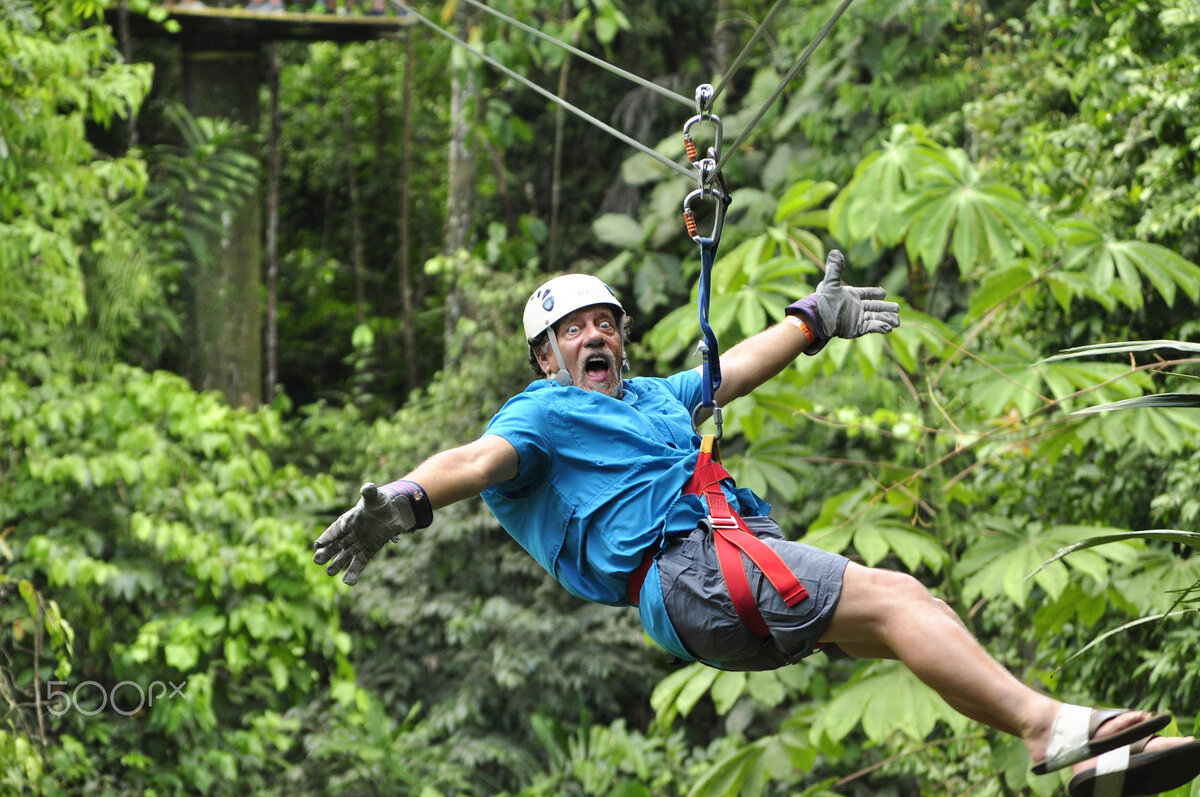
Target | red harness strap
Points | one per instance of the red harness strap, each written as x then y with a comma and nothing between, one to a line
732,538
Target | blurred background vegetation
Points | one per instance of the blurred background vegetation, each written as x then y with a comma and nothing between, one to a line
1022,177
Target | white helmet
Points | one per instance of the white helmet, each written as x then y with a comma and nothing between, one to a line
562,296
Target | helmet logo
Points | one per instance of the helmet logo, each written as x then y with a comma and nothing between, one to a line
548,302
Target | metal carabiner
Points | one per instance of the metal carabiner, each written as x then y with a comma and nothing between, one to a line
689,144
689,216
716,416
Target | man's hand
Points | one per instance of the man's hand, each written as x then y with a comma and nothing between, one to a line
381,514
841,311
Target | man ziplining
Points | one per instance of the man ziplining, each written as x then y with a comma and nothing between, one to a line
603,480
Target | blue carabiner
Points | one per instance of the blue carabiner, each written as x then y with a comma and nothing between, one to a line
719,199
709,347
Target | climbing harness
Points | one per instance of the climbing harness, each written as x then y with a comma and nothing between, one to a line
712,189
731,538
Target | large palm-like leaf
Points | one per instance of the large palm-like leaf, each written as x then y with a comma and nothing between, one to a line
1001,561
934,200
886,699
875,530
979,222
867,208
1116,270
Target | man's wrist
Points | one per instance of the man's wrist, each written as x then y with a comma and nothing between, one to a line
806,311
801,325
417,498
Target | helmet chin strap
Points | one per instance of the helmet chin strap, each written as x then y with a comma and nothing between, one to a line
562,377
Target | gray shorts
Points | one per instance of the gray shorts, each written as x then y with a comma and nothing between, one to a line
703,614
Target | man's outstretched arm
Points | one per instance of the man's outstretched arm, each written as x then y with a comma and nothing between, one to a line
836,310
405,505
466,471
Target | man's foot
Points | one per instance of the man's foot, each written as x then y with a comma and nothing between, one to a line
1149,766
1079,733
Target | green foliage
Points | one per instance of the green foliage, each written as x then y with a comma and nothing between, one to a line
982,399
1018,193
139,490
59,202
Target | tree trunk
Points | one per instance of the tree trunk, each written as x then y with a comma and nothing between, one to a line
460,202
723,43
556,171
272,331
407,309
131,128
356,232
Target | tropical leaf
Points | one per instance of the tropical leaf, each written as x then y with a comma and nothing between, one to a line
952,209
918,333
750,285
886,699
1125,347
1154,618
999,287
739,773
867,208
1015,379
1158,430
1116,269
1152,401
680,691
1007,552
772,466
1188,538
798,204
875,530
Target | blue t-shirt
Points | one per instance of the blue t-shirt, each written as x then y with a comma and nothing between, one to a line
600,483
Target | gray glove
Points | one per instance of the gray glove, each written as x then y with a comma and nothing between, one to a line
381,514
841,311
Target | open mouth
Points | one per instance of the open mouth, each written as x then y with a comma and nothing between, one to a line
597,367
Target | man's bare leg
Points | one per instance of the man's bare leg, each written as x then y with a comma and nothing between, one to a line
885,614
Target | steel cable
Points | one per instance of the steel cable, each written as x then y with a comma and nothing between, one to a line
800,62
600,62
658,156
724,158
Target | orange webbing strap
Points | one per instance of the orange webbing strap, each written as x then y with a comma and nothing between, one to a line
732,538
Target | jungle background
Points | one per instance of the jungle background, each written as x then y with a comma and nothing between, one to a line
1021,176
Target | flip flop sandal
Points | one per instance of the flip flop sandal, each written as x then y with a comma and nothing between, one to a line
1126,772
1071,735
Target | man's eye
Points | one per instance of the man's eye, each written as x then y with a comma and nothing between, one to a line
606,325
573,329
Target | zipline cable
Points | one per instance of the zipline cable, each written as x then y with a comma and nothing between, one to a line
600,62
737,62
708,170
658,156
800,62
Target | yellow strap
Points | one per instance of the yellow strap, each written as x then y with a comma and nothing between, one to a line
710,445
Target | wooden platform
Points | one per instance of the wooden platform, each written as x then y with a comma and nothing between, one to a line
236,28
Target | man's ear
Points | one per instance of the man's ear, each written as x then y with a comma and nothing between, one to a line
546,361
